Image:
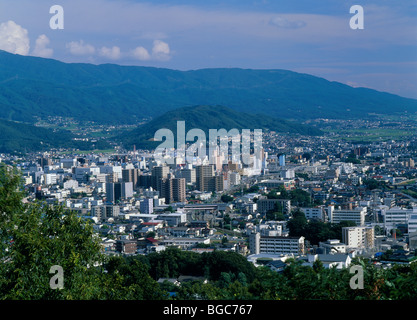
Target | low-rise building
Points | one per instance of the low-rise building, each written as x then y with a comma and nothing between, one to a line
275,244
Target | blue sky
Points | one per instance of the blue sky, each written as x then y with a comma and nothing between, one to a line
305,36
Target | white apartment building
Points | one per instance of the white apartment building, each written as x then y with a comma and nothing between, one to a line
396,216
314,213
49,178
358,237
275,244
234,178
184,243
356,215
333,246
412,223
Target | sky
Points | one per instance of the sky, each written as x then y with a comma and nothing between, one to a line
305,36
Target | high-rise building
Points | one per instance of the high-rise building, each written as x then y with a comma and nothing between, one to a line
204,173
146,206
206,180
159,172
172,189
131,175
358,237
188,174
282,160
118,191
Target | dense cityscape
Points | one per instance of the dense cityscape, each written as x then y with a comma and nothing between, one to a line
139,205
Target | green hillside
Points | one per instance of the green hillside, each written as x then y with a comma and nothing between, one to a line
210,117
21,137
109,93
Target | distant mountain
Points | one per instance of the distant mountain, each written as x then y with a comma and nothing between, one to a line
21,137
209,117
31,86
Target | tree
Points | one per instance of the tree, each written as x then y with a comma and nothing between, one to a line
43,237
224,240
169,209
150,234
226,198
297,224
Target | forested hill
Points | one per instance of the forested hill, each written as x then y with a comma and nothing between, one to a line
21,137
109,93
210,117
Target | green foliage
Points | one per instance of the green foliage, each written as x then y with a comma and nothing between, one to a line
205,118
372,184
315,230
226,198
23,137
41,238
110,93
298,197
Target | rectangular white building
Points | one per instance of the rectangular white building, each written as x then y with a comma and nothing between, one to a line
356,215
314,213
275,244
358,237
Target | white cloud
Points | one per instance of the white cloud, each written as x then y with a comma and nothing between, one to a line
14,38
41,49
141,53
285,23
80,48
110,53
160,50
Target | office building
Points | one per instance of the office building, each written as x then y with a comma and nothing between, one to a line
158,172
118,191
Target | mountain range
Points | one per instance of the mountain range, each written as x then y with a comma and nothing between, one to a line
36,87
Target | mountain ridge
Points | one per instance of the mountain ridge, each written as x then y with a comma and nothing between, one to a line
110,93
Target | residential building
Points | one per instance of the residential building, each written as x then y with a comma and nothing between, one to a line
333,246
356,215
275,244
172,189
264,205
207,180
126,246
158,172
146,205
317,213
359,237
